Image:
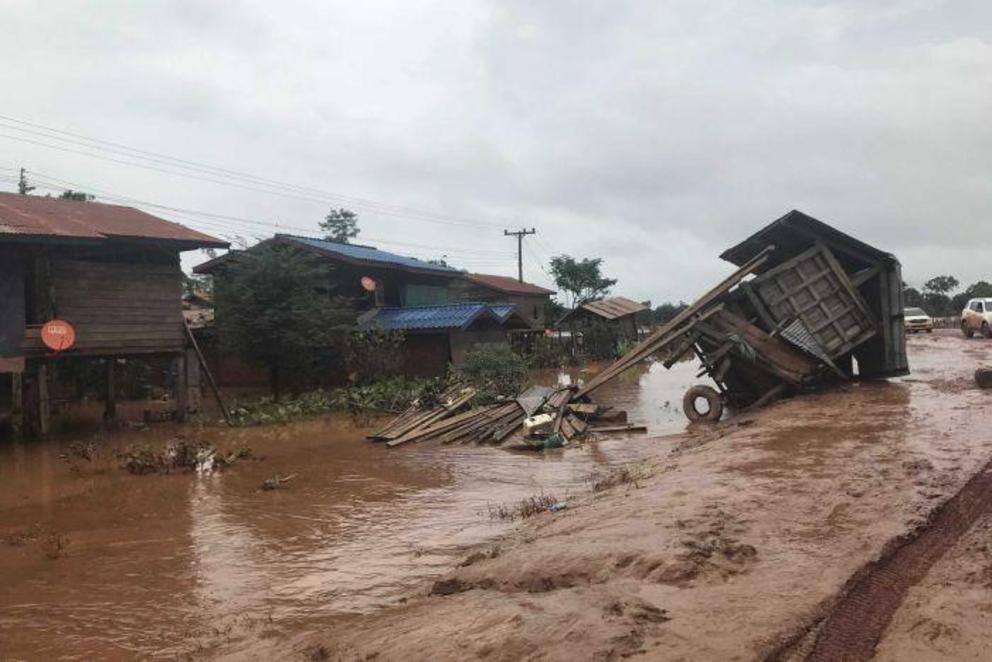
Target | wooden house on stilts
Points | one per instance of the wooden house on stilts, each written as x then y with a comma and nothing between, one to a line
110,272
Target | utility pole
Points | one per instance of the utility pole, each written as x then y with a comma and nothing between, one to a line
22,184
520,234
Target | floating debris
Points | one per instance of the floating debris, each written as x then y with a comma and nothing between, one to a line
277,482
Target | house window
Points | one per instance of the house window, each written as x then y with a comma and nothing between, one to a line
423,295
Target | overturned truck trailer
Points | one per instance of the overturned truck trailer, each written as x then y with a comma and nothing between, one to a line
808,305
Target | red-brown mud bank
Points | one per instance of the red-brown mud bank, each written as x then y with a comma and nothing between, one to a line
738,541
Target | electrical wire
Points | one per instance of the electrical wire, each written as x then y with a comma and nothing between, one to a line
141,158
231,227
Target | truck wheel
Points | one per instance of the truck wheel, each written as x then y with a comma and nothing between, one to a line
986,331
968,333
713,400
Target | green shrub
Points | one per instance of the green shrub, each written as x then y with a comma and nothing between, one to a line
544,352
375,354
494,370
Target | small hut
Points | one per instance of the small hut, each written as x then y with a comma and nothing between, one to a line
111,272
792,283
604,325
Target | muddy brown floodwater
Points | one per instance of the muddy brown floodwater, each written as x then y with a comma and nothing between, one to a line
831,526
98,563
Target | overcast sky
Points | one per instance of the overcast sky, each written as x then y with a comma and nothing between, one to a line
651,134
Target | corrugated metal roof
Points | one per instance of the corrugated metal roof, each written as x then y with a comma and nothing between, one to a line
419,318
23,216
502,310
507,284
800,336
795,232
367,254
454,316
614,307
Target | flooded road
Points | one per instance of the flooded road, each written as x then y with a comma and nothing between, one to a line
96,562
739,542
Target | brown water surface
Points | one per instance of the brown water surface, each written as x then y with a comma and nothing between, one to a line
98,563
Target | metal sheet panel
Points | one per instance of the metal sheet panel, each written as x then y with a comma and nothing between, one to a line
612,308
421,318
506,284
36,216
368,254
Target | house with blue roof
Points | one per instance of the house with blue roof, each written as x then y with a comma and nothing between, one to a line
396,292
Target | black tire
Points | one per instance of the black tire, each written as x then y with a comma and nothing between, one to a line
929,330
712,398
968,333
986,331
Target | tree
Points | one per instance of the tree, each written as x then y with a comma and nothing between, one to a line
274,309
935,295
340,225
580,280
941,284
667,311
78,196
911,297
197,283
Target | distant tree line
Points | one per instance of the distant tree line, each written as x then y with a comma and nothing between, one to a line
940,296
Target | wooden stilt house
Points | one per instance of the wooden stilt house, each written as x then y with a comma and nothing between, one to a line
111,272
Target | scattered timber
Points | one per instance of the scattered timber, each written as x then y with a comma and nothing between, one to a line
451,419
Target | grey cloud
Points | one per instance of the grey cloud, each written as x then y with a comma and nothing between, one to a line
653,134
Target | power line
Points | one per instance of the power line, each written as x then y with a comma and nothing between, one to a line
224,221
241,180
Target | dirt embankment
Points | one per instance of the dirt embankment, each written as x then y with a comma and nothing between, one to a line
734,545
948,615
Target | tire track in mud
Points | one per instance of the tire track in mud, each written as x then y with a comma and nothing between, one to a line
854,625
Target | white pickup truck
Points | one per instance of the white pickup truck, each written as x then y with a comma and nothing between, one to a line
977,316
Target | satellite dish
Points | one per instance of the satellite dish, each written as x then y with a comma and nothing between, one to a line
58,335
368,283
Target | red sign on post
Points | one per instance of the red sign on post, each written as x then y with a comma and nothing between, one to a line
58,335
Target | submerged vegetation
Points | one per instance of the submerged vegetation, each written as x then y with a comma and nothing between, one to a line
525,508
180,455
384,396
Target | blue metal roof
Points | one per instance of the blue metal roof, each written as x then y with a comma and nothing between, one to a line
367,254
502,310
418,318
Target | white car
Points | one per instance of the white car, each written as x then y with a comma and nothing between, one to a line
977,316
917,320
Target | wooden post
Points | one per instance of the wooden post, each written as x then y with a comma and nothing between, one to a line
192,381
44,404
206,371
179,368
17,404
110,395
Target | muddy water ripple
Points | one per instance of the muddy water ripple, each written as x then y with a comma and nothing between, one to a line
95,562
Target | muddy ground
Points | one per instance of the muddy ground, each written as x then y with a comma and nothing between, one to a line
738,544
817,528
